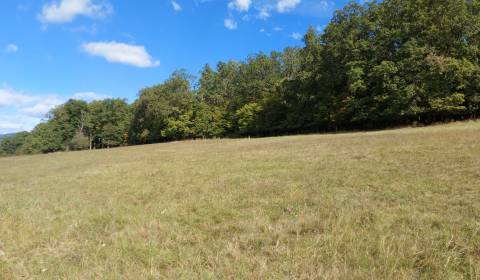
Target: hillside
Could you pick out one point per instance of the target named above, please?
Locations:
(6, 135)
(398, 204)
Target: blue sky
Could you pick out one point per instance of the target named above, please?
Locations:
(53, 50)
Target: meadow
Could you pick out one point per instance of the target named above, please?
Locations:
(393, 204)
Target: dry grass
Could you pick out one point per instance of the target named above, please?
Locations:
(399, 204)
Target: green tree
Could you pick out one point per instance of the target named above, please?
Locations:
(110, 122)
(45, 138)
(11, 145)
(69, 119)
(164, 112)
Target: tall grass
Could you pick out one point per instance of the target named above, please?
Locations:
(399, 204)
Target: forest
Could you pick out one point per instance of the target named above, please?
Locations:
(376, 65)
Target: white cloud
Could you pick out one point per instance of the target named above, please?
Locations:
(92, 29)
(42, 106)
(10, 97)
(20, 111)
(133, 55)
(284, 6)
(277, 29)
(263, 13)
(230, 24)
(9, 124)
(240, 5)
(30, 105)
(89, 96)
(68, 10)
(176, 6)
(11, 48)
(296, 36)
(16, 123)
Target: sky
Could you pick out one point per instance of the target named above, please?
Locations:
(54, 50)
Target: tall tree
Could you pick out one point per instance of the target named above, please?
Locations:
(110, 122)
(164, 112)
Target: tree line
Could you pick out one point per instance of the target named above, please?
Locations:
(375, 65)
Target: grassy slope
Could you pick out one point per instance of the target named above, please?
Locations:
(400, 204)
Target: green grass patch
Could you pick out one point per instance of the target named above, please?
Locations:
(397, 204)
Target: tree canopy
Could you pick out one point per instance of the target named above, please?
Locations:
(380, 64)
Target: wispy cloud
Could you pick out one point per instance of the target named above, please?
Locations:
(323, 8)
(263, 13)
(296, 36)
(176, 6)
(88, 29)
(10, 97)
(67, 10)
(89, 96)
(30, 105)
(134, 55)
(11, 48)
(41, 106)
(17, 122)
(284, 6)
(240, 5)
(230, 24)
(20, 111)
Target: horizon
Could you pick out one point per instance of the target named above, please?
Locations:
(96, 49)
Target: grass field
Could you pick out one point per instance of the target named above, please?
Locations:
(397, 204)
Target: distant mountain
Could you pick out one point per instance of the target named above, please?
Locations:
(6, 135)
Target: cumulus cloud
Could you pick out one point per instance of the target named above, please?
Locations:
(21, 111)
(16, 123)
(284, 6)
(176, 6)
(41, 106)
(240, 5)
(68, 10)
(30, 105)
(11, 48)
(10, 97)
(230, 24)
(133, 55)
